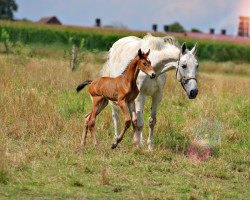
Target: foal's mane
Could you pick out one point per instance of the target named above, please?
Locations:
(127, 66)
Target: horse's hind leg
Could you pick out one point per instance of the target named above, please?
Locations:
(124, 107)
(99, 103)
(85, 131)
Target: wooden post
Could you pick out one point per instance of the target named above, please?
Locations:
(74, 52)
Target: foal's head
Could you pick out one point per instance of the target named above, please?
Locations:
(144, 63)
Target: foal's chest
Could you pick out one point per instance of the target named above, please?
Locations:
(130, 96)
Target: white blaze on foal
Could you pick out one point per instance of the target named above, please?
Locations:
(164, 55)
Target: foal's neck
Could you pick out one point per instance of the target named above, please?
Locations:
(133, 70)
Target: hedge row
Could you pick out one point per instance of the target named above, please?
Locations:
(48, 35)
(102, 39)
(222, 51)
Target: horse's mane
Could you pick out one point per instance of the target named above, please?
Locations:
(163, 48)
(159, 43)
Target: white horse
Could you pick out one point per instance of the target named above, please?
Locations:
(165, 55)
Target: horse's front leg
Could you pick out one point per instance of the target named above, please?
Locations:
(156, 99)
(139, 106)
(124, 107)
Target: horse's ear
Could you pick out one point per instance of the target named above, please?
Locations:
(147, 53)
(140, 54)
(183, 48)
(194, 49)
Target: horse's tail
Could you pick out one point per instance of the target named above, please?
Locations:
(82, 85)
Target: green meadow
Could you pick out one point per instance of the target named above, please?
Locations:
(42, 118)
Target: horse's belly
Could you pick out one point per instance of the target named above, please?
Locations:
(150, 86)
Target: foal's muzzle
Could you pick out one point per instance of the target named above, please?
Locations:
(152, 75)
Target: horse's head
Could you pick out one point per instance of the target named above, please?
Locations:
(144, 63)
(186, 71)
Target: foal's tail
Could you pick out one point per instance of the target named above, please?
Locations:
(82, 85)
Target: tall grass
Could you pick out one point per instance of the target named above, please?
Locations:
(42, 119)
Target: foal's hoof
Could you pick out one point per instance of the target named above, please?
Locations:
(114, 146)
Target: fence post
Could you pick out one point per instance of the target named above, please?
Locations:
(74, 52)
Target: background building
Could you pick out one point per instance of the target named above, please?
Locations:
(243, 29)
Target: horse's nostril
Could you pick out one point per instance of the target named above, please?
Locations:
(193, 93)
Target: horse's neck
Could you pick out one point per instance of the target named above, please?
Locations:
(132, 72)
(160, 58)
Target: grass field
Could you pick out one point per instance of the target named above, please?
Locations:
(41, 122)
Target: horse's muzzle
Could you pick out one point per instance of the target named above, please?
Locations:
(193, 94)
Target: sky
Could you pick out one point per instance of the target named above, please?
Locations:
(140, 14)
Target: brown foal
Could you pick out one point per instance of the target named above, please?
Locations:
(121, 89)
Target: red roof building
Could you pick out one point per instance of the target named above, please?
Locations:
(50, 20)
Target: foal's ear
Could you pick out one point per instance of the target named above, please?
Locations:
(147, 53)
(140, 54)
(183, 48)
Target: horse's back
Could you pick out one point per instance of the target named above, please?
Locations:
(120, 54)
(124, 50)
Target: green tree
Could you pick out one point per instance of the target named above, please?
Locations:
(7, 7)
(176, 27)
(195, 30)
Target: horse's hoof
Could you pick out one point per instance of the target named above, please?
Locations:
(78, 149)
(114, 146)
(150, 148)
(83, 144)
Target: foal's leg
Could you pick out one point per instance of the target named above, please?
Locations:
(99, 103)
(124, 107)
(133, 115)
(139, 105)
(156, 99)
(85, 131)
(115, 119)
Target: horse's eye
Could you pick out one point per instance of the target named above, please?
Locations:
(184, 66)
(144, 64)
(197, 66)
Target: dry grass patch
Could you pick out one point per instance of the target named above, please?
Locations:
(42, 120)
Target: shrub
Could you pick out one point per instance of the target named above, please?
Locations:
(102, 40)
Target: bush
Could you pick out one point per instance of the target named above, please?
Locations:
(5, 39)
(102, 40)
(176, 27)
